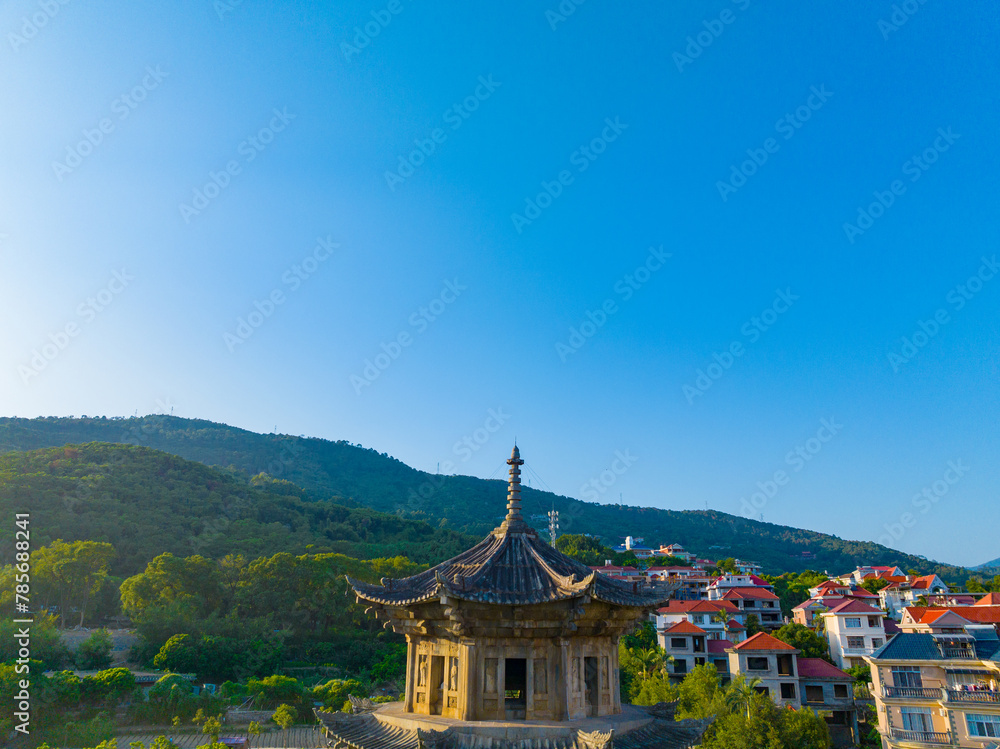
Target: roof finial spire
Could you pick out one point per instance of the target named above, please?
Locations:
(514, 488)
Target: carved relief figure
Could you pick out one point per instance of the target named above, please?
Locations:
(422, 671)
(453, 677)
(541, 676)
(491, 676)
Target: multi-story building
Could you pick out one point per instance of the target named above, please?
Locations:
(721, 584)
(675, 550)
(899, 594)
(761, 603)
(692, 583)
(939, 687)
(796, 682)
(854, 630)
(717, 619)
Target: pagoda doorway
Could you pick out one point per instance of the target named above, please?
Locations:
(592, 685)
(515, 687)
(437, 684)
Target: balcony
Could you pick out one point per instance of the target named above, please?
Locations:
(960, 695)
(912, 693)
(967, 654)
(858, 651)
(921, 737)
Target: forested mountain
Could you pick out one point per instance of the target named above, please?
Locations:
(358, 476)
(146, 502)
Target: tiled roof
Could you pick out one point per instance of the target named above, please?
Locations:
(759, 581)
(719, 646)
(511, 566)
(684, 628)
(734, 625)
(990, 599)
(909, 646)
(980, 614)
(817, 668)
(763, 641)
(752, 593)
(854, 607)
(698, 607)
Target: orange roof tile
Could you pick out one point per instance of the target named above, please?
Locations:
(685, 628)
(980, 614)
(990, 599)
(763, 641)
(754, 593)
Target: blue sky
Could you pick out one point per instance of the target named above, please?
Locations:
(238, 212)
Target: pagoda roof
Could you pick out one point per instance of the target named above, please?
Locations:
(511, 566)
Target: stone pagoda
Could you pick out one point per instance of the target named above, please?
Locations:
(509, 640)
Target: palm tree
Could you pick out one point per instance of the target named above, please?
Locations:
(742, 692)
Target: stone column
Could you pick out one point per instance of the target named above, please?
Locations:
(529, 687)
(411, 673)
(562, 685)
(469, 683)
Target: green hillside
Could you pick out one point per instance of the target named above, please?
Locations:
(360, 476)
(146, 502)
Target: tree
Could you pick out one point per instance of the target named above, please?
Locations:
(94, 653)
(701, 694)
(178, 654)
(212, 727)
(741, 694)
(71, 572)
(753, 625)
(284, 716)
(656, 689)
(334, 693)
(110, 686)
(874, 584)
(801, 637)
(253, 730)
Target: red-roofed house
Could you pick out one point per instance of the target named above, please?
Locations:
(854, 630)
(793, 682)
(990, 599)
(686, 644)
(757, 601)
(709, 615)
(979, 616)
(902, 593)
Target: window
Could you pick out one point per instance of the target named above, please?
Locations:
(699, 661)
(840, 691)
(873, 622)
(852, 622)
(721, 665)
(856, 643)
(876, 642)
(917, 719)
(749, 604)
(698, 618)
(678, 643)
(680, 666)
(788, 691)
(906, 676)
(762, 690)
(758, 664)
(983, 725)
(814, 694)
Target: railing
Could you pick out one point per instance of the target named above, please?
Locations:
(959, 653)
(960, 695)
(913, 693)
(922, 737)
(858, 651)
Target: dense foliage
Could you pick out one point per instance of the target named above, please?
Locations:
(145, 502)
(327, 469)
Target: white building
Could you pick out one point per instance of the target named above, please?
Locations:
(854, 630)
